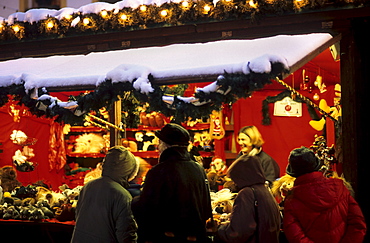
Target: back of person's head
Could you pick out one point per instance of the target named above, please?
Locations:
(120, 165)
(302, 161)
(246, 171)
(254, 135)
(174, 134)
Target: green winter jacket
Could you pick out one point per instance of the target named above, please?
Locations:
(103, 212)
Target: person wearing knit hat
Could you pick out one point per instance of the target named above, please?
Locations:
(103, 212)
(172, 134)
(319, 209)
(174, 204)
(302, 161)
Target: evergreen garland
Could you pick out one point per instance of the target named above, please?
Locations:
(272, 99)
(231, 87)
(176, 14)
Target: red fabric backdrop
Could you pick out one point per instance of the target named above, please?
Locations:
(284, 133)
(49, 161)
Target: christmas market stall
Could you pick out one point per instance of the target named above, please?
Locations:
(60, 113)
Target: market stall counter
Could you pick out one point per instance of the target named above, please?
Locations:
(50, 230)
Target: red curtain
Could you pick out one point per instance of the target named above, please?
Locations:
(284, 133)
(49, 158)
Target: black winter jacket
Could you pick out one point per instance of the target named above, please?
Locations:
(175, 198)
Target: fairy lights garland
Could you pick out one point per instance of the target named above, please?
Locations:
(154, 16)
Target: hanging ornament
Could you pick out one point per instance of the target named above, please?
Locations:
(216, 129)
(14, 112)
(21, 158)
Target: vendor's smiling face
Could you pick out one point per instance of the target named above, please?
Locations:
(245, 143)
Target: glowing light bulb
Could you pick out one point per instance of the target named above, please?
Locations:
(207, 8)
(104, 13)
(124, 17)
(49, 25)
(68, 17)
(16, 28)
(86, 21)
(142, 8)
(185, 4)
(252, 4)
(164, 13)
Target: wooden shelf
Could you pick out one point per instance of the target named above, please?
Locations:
(155, 154)
(90, 155)
(86, 129)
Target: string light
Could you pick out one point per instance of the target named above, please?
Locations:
(185, 5)
(143, 8)
(49, 25)
(68, 17)
(86, 21)
(148, 15)
(124, 17)
(206, 9)
(104, 14)
(164, 13)
(252, 4)
(16, 28)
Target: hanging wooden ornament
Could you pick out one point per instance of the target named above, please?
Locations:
(216, 129)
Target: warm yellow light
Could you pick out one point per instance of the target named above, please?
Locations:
(252, 4)
(207, 8)
(228, 1)
(142, 8)
(104, 13)
(185, 4)
(16, 28)
(124, 17)
(164, 13)
(86, 21)
(50, 25)
(68, 17)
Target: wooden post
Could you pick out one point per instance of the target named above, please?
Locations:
(115, 116)
(355, 73)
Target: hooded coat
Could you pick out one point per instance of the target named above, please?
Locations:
(249, 223)
(103, 212)
(270, 168)
(321, 209)
(175, 198)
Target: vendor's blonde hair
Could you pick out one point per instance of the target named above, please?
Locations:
(254, 135)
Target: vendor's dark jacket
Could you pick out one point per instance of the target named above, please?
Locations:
(321, 209)
(249, 223)
(270, 168)
(175, 198)
(103, 212)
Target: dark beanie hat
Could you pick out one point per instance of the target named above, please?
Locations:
(302, 161)
(174, 134)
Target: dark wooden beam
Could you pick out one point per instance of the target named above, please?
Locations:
(333, 21)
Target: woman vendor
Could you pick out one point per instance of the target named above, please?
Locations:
(251, 141)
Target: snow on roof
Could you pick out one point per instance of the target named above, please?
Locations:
(172, 61)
